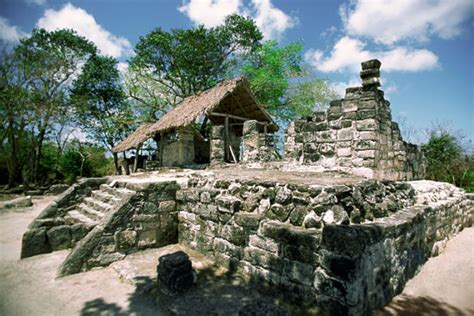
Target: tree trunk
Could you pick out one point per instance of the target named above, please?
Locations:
(118, 170)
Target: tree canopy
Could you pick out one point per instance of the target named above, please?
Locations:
(186, 61)
(100, 103)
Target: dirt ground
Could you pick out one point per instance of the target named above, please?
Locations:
(445, 285)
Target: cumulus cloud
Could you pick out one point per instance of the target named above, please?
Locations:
(348, 53)
(271, 20)
(210, 13)
(10, 33)
(398, 20)
(84, 24)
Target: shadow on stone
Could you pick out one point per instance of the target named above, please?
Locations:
(411, 305)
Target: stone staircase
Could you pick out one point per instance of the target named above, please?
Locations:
(94, 208)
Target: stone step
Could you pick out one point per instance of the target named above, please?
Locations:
(105, 197)
(90, 212)
(117, 192)
(76, 217)
(97, 205)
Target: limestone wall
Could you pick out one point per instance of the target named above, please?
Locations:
(145, 220)
(35, 240)
(344, 249)
(355, 135)
(178, 148)
(257, 146)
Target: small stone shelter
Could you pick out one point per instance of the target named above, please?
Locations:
(214, 126)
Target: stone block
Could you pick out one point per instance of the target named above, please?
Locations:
(344, 152)
(287, 233)
(34, 242)
(345, 134)
(349, 106)
(366, 114)
(263, 243)
(175, 273)
(78, 231)
(125, 240)
(228, 203)
(368, 136)
(226, 247)
(167, 206)
(262, 258)
(297, 215)
(365, 144)
(251, 220)
(366, 154)
(298, 272)
(60, 237)
(146, 238)
(235, 234)
(367, 125)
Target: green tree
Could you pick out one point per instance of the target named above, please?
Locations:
(49, 60)
(282, 83)
(101, 106)
(14, 112)
(445, 160)
(184, 62)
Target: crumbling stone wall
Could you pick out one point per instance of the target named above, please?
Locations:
(355, 135)
(306, 241)
(178, 148)
(37, 239)
(145, 220)
(257, 146)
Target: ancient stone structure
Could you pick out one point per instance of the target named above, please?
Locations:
(345, 249)
(258, 145)
(342, 247)
(355, 135)
(175, 273)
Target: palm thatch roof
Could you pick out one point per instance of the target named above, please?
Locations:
(230, 97)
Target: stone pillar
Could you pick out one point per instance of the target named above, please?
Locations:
(178, 148)
(250, 140)
(217, 144)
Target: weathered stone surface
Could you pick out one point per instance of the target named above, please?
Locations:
(17, 203)
(60, 237)
(312, 220)
(175, 273)
(34, 242)
(263, 308)
(57, 189)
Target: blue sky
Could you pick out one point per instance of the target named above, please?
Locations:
(426, 46)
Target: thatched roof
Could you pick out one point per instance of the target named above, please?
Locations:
(229, 97)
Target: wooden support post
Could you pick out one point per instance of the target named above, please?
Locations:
(265, 128)
(226, 139)
(162, 140)
(137, 155)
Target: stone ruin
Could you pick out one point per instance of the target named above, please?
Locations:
(332, 243)
(355, 135)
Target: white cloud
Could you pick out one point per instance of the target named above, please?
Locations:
(348, 53)
(390, 22)
(340, 86)
(122, 67)
(84, 24)
(210, 12)
(9, 32)
(271, 20)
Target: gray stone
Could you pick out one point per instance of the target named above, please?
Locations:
(34, 242)
(60, 237)
(312, 220)
(125, 240)
(262, 308)
(17, 203)
(175, 273)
